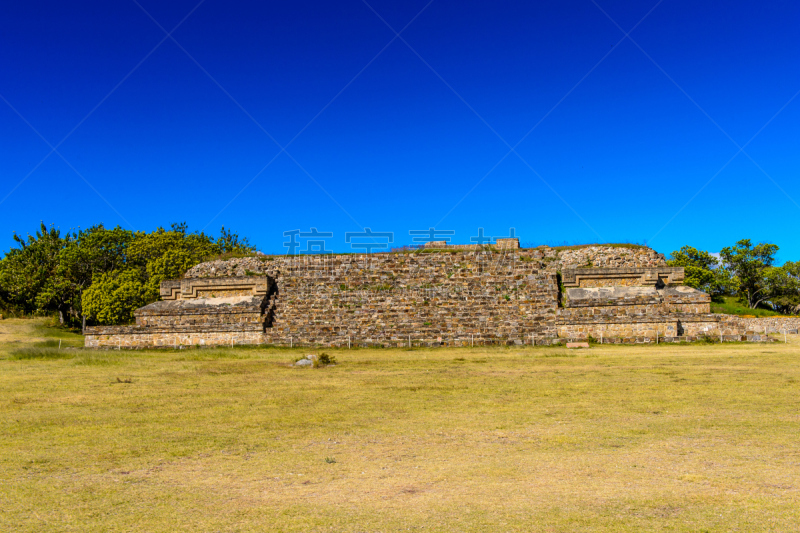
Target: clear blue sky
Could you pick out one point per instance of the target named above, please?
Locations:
(623, 136)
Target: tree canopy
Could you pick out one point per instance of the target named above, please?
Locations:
(702, 271)
(750, 265)
(746, 270)
(102, 274)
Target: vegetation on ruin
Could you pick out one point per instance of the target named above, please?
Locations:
(565, 246)
(613, 438)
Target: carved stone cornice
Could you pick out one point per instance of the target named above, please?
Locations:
(572, 277)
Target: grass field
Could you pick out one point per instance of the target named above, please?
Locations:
(730, 305)
(614, 438)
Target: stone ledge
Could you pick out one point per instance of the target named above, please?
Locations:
(571, 277)
(189, 328)
(202, 306)
(682, 294)
(648, 319)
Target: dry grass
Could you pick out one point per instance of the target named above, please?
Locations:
(672, 438)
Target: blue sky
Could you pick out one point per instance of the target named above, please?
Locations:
(615, 138)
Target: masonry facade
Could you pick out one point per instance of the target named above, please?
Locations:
(440, 296)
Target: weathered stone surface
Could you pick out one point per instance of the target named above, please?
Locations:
(464, 298)
(632, 301)
(511, 243)
(601, 257)
(608, 296)
(552, 259)
(228, 310)
(772, 324)
(457, 297)
(173, 336)
(689, 326)
(427, 298)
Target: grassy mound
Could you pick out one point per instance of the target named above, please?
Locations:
(731, 305)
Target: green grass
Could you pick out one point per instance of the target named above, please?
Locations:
(613, 438)
(49, 350)
(49, 329)
(731, 305)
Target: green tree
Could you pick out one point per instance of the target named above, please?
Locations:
(163, 255)
(112, 298)
(783, 285)
(88, 254)
(702, 271)
(29, 274)
(146, 247)
(749, 265)
(102, 273)
(230, 243)
(48, 271)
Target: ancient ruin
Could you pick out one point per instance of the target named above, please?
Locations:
(441, 295)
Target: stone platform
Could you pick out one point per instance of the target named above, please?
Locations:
(451, 297)
(206, 312)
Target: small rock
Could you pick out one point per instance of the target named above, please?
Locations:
(304, 362)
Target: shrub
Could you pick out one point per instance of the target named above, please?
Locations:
(324, 359)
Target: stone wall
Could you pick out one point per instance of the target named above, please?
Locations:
(674, 328)
(611, 311)
(173, 337)
(699, 308)
(393, 299)
(624, 330)
(454, 297)
(610, 293)
(611, 297)
(450, 298)
(773, 324)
